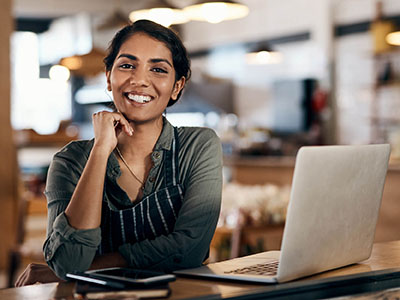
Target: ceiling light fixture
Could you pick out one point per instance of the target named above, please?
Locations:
(263, 55)
(393, 38)
(86, 65)
(59, 73)
(161, 12)
(216, 11)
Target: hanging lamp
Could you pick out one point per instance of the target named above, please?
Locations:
(216, 11)
(263, 54)
(393, 38)
(161, 12)
(87, 65)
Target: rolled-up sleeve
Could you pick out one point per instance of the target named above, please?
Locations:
(188, 245)
(66, 249)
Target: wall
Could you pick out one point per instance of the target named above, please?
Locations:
(309, 58)
(8, 170)
(343, 65)
(271, 18)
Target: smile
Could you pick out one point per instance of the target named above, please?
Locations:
(139, 98)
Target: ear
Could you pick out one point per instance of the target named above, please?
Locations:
(108, 74)
(178, 87)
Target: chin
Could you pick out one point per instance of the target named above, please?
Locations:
(142, 119)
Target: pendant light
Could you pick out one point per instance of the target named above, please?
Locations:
(161, 12)
(262, 55)
(87, 65)
(393, 38)
(216, 11)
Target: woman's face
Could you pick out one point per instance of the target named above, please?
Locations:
(142, 79)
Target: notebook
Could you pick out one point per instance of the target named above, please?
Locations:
(331, 219)
(89, 291)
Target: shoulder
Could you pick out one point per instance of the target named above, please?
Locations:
(196, 136)
(199, 145)
(75, 150)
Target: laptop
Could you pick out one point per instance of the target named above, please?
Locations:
(332, 214)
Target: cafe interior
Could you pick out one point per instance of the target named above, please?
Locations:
(267, 76)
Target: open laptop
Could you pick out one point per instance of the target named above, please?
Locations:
(331, 219)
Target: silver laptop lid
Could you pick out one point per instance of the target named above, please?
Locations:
(333, 210)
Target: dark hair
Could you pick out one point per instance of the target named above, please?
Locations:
(171, 40)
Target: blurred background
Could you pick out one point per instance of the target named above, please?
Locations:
(268, 76)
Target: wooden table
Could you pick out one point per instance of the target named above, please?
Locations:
(384, 256)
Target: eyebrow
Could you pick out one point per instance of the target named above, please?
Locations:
(153, 60)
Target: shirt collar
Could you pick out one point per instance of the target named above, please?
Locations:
(167, 134)
(164, 142)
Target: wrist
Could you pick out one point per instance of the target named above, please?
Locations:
(102, 149)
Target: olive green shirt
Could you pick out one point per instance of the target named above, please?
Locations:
(200, 171)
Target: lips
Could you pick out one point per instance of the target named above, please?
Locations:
(138, 98)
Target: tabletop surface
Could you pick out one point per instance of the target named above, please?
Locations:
(384, 256)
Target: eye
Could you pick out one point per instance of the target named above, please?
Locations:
(159, 70)
(126, 66)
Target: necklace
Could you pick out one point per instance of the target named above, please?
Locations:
(129, 168)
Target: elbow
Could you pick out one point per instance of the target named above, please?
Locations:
(69, 259)
(192, 256)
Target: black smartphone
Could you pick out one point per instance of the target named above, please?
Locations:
(122, 277)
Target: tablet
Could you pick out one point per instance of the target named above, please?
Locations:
(122, 277)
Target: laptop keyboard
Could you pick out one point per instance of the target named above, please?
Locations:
(269, 269)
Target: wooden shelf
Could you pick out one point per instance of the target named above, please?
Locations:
(29, 138)
(388, 84)
(385, 121)
(260, 161)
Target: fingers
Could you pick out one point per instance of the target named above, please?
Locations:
(116, 119)
(26, 277)
(124, 125)
(21, 279)
(36, 273)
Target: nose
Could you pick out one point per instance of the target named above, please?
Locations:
(139, 77)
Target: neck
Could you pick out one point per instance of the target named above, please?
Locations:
(143, 140)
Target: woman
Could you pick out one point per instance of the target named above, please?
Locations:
(143, 193)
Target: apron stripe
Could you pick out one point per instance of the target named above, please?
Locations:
(121, 218)
(110, 239)
(161, 214)
(141, 211)
(150, 222)
(134, 224)
(180, 191)
(173, 164)
(170, 203)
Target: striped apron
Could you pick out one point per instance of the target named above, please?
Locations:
(153, 216)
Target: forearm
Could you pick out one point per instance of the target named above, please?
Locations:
(84, 209)
(108, 260)
(187, 246)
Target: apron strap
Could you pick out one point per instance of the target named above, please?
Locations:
(172, 162)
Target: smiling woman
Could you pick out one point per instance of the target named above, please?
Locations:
(142, 78)
(142, 193)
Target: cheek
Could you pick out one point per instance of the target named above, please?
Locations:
(115, 81)
(167, 87)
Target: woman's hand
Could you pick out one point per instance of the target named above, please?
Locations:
(36, 273)
(107, 126)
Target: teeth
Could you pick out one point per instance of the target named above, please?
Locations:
(139, 98)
